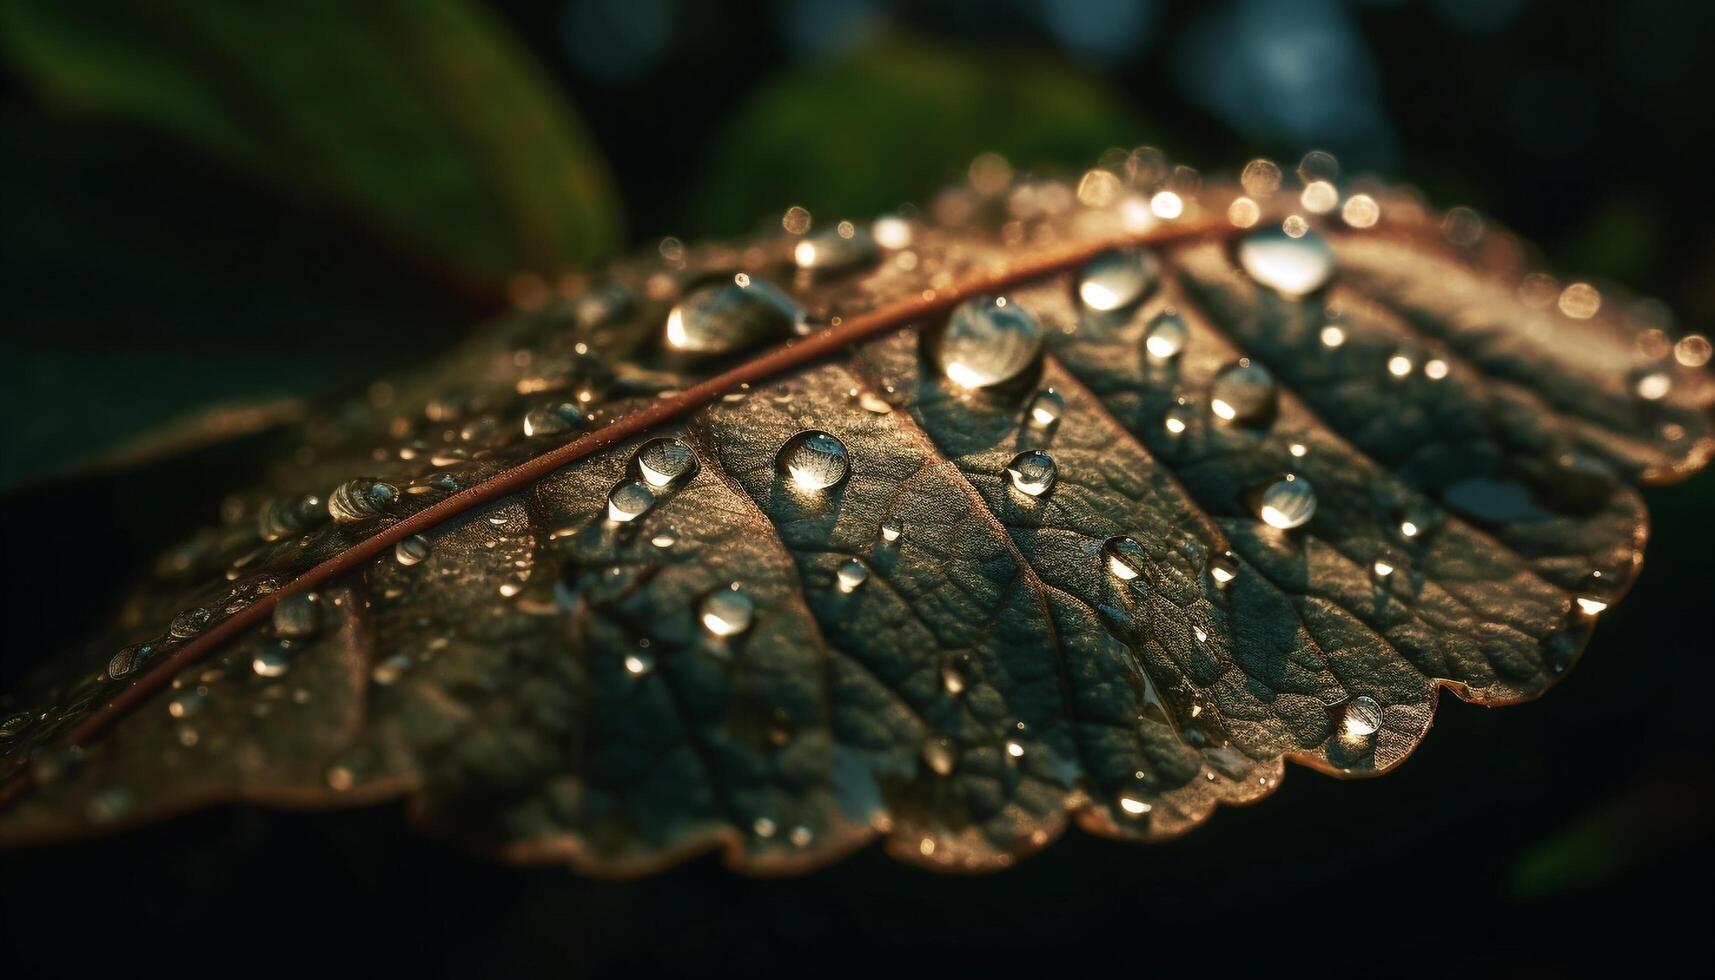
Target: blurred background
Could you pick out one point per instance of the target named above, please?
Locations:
(255, 204)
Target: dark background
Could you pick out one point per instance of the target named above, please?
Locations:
(1526, 841)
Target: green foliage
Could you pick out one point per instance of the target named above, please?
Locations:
(859, 136)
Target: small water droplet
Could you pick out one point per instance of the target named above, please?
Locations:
(851, 575)
(727, 612)
(891, 530)
(1032, 472)
(1045, 409)
(730, 316)
(1291, 266)
(409, 551)
(801, 836)
(814, 460)
(1400, 365)
(1592, 595)
(1333, 336)
(552, 419)
(665, 464)
(361, 499)
(666, 538)
(389, 671)
(987, 341)
(1653, 385)
(1125, 557)
(1167, 335)
(639, 663)
(126, 661)
(189, 623)
(1223, 568)
(1015, 749)
(1133, 806)
(1117, 279)
(1287, 503)
(764, 827)
(836, 249)
(1177, 418)
(186, 704)
(629, 500)
(271, 661)
(1361, 717)
(1243, 393)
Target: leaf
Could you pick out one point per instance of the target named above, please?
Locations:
(862, 134)
(423, 118)
(615, 651)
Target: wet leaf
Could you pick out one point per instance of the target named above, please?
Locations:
(1018, 527)
(425, 119)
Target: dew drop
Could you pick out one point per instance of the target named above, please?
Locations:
(552, 418)
(1166, 336)
(361, 499)
(186, 705)
(814, 460)
(1592, 595)
(409, 551)
(665, 464)
(726, 612)
(1333, 336)
(629, 500)
(851, 575)
(1653, 386)
(1045, 409)
(1125, 557)
(1287, 503)
(283, 518)
(891, 530)
(1243, 393)
(1223, 568)
(728, 317)
(835, 250)
(639, 663)
(126, 661)
(189, 623)
(1117, 279)
(1133, 806)
(1361, 717)
(1693, 350)
(1032, 472)
(987, 341)
(940, 755)
(1290, 266)
(1177, 418)
(665, 539)
(764, 827)
(270, 661)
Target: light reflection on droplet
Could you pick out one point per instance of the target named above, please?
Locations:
(1287, 503)
(1319, 197)
(1166, 336)
(1032, 472)
(987, 341)
(1166, 205)
(1580, 301)
(814, 460)
(1362, 717)
(1693, 350)
(1291, 265)
(727, 612)
(1361, 211)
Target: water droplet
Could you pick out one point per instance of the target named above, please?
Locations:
(127, 660)
(1133, 806)
(891, 530)
(1177, 418)
(189, 623)
(665, 464)
(270, 661)
(1333, 336)
(1653, 386)
(283, 518)
(1383, 569)
(298, 615)
(1125, 557)
(666, 538)
(987, 341)
(1015, 749)
(727, 612)
(1592, 595)
(814, 460)
(1290, 266)
(629, 500)
(940, 755)
(639, 663)
(1287, 503)
(185, 705)
(836, 249)
(1166, 336)
(1223, 568)
(16, 724)
(801, 836)
(1243, 393)
(389, 671)
(1032, 472)
(1435, 369)
(1045, 409)
(730, 316)
(1693, 350)
(764, 827)
(411, 550)
(553, 418)
(1361, 717)
(851, 575)
(1115, 280)
(361, 499)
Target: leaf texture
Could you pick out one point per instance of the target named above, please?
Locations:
(1263, 510)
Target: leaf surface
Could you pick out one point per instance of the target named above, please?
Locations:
(1295, 493)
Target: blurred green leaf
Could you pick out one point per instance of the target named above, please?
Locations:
(424, 118)
(865, 134)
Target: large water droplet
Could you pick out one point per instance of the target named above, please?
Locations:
(361, 499)
(987, 341)
(1125, 557)
(851, 575)
(1032, 472)
(665, 464)
(552, 418)
(1115, 280)
(730, 316)
(1287, 503)
(271, 661)
(726, 612)
(411, 550)
(1361, 717)
(1166, 336)
(836, 249)
(298, 615)
(629, 500)
(1243, 393)
(814, 460)
(1290, 266)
